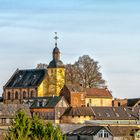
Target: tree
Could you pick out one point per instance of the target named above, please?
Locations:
(84, 72)
(20, 127)
(23, 128)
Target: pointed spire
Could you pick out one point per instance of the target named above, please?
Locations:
(56, 38)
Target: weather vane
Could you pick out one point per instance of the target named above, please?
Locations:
(56, 38)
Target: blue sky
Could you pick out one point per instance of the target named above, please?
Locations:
(107, 30)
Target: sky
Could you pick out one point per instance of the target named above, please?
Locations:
(106, 30)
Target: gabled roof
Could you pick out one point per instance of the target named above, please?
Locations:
(79, 111)
(9, 110)
(132, 102)
(98, 92)
(49, 102)
(122, 130)
(114, 113)
(26, 78)
(87, 130)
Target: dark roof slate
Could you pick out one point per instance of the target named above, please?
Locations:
(87, 130)
(50, 101)
(9, 110)
(56, 64)
(26, 78)
(132, 102)
(114, 113)
(79, 111)
(122, 130)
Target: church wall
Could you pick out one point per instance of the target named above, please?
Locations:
(43, 88)
(16, 94)
(56, 80)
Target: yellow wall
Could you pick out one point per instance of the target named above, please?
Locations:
(56, 80)
(52, 83)
(75, 119)
(43, 87)
(98, 101)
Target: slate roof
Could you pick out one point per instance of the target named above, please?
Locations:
(132, 102)
(9, 110)
(50, 101)
(56, 50)
(103, 113)
(26, 78)
(87, 130)
(98, 92)
(56, 64)
(79, 111)
(114, 113)
(122, 130)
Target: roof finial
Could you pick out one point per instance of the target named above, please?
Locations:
(56, 38)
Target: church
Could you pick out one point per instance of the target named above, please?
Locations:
(31, 83)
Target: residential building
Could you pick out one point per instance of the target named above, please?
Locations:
(98, 97)
(48, 108)
(90, 133)
(77, 115)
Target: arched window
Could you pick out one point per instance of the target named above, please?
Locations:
(24, 94)
(8, 95)
(16, 95)
(32, 93)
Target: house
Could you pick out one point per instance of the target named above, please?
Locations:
(114, 116)
(101, 116)
(74, 95)
(36, 82)
(8, 111)
(90, 133)
(137, 134)
(98, 97)
(48, 108)
(119, 102)
(77, 115)
(125, 132)
(132, 102)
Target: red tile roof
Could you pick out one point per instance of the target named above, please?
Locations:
(98, 92)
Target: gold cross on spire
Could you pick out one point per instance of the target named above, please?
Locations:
(56, 38)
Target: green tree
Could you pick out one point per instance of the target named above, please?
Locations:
(23, 128)
(20, 127)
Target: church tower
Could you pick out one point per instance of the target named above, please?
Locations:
(56, 71)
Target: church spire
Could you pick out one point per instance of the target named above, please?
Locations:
(56, 52)
(56, 38)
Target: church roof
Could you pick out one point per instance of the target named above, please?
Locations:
(56, 50)
(26, 78)
(56, 64)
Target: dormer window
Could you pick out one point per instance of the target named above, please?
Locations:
(117, 115)
(107, 114)
(20, 77)
(40, 104)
